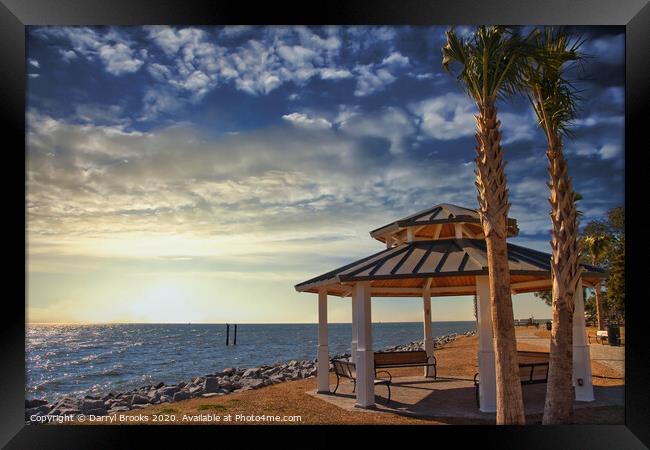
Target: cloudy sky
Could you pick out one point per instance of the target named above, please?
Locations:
(195, 174)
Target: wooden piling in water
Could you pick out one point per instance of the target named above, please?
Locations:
(234, 342)
(227, 334)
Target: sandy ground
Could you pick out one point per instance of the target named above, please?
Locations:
(457, 360)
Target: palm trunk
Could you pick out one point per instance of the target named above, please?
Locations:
(600, 307)
(493, 211)
(565, 272)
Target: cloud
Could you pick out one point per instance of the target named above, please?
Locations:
(33, 75)
(67, 55)
(371, 79)
(392, 124)
(171, 40)
(396, 58)
(334, 74)
(258, 66)
(235, 30)
(118, 59)
(608, 49)
(445, 117)
(33, 63)
(111, 47)
(158, 101)
(96, 188)
(608, 150)
(99, 114)
(304, 120)
(517, 126)
(261, 64)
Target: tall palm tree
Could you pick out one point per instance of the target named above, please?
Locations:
(554, 100)
(491, 62)
(597, 242)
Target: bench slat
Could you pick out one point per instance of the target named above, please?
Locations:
(383, 359)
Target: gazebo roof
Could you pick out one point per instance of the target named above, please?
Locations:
(438, 222)
(445, 266)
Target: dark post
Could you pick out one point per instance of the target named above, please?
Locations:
(234, 342)
(227, 334)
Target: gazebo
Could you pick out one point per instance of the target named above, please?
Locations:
(439, 252)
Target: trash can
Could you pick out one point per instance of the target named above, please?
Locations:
(614, 335)
(549, 326)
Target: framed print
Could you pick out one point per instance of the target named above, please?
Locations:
(350, 219)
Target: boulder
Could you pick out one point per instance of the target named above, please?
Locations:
(254, 383)
(67, 405)
(210, 394)
(141, 406)
(210, 384)
(91, 406)
(165, 398)
(195, 390)
(228, 371)
(138, 399)
(40, 410)
(118, 409)
(252, 373)
(169, 390)
(34, 403)
(159, 385)
(278, 378)
(181, 395)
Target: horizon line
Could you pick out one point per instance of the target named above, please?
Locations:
(232, 323)
(223, 323)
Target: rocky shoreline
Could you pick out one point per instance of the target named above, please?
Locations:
(221, 383)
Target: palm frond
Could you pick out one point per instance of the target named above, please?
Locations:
(552, 95)
(491, 61)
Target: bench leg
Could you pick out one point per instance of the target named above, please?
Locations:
(337, 384)
(354, 387)
(388, 386)
(478, 398)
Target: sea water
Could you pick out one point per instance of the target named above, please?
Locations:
(96, 359)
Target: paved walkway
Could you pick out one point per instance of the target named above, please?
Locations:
(452, 398)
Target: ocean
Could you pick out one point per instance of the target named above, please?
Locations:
(82, 360)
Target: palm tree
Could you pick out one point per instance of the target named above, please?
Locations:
(597, 241)
(554, 100)
(491, 63)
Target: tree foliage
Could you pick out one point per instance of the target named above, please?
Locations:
(604, 246)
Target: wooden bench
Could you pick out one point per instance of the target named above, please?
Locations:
(533, 369)
(414, 358)
(600, 337)
(347, 369)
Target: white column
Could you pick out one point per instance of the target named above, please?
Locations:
(487, 370)
(581, 359)
(365, 363)
(428, 335)
(353, 345)
(323, 349)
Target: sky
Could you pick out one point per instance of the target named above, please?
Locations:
(196, 174)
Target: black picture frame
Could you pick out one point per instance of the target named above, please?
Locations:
(16, 14)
